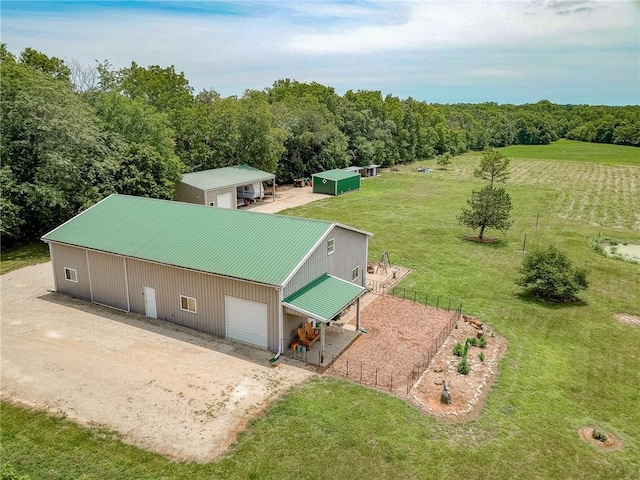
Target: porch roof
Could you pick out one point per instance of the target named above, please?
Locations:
(324, 297)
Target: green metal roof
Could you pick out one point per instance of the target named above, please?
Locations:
(337, 174)
(224, 177)
(324, 298)
(260, 247)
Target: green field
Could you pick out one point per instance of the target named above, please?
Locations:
(567, 366)
(573, 151)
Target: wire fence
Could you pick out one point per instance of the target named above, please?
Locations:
(379, 377)
(396, 382)
(437, 301)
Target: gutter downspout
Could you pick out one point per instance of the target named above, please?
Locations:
(280, 319)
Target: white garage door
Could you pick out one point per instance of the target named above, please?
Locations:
(246, 321)
(224, 200)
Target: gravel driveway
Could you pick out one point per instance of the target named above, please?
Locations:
(168, 389)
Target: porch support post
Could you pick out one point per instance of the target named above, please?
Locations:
(358, 314)
(322, 334)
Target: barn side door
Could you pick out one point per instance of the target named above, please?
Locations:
(150, 302)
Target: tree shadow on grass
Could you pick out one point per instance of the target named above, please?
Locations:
(486, 242)
(528, 297)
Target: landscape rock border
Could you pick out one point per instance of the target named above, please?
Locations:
(469, 392)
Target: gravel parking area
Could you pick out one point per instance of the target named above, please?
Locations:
(287, 196)
(168, 389)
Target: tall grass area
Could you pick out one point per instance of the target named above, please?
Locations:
(566, 366)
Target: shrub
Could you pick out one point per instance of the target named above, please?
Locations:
(599, 435)
(481, 356)
(7, 472)
(473, 341)
(458, 349)
(482, 343)
(444, 160)
(463, 367)
(466, 348)
(549, 274)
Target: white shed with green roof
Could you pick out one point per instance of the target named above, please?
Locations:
(225, 187)
(197, 267)
(336, 182)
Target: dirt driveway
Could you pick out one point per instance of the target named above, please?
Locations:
(287, 197)
(171, 390)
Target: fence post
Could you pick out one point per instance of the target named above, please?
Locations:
(404, 294)
(408, 380)
(414, 296)
(347, 368)
(360, 373)
(376, 377)
(437, 301)
(391, 386)
(425, 299)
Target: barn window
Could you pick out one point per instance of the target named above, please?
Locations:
(71, 274)
(355, 273)
(188, 304)
(331, 246)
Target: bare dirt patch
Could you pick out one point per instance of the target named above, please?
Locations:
(287, 196)
(628, 319)
(611, 443)
(624, 252)
(162, 387)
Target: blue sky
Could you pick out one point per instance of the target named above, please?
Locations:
(565, 51)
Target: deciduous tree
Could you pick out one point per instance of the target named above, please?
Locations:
(548, 273)
(53, 151)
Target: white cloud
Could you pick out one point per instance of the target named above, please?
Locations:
(438, 24)
(402, 48)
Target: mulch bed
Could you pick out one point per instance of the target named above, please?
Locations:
(400, 335)
(391, 357)
(610, 444)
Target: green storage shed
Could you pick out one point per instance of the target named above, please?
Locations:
(336, 182)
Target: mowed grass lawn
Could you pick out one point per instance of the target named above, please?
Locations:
(567, 366)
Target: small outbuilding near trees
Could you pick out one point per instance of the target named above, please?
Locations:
(366, 171)
(336, 182)
(223, 187)
(197, 266)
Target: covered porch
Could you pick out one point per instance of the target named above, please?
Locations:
(319, 304)
(335, 343)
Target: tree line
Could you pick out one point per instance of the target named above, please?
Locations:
(72, 134)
